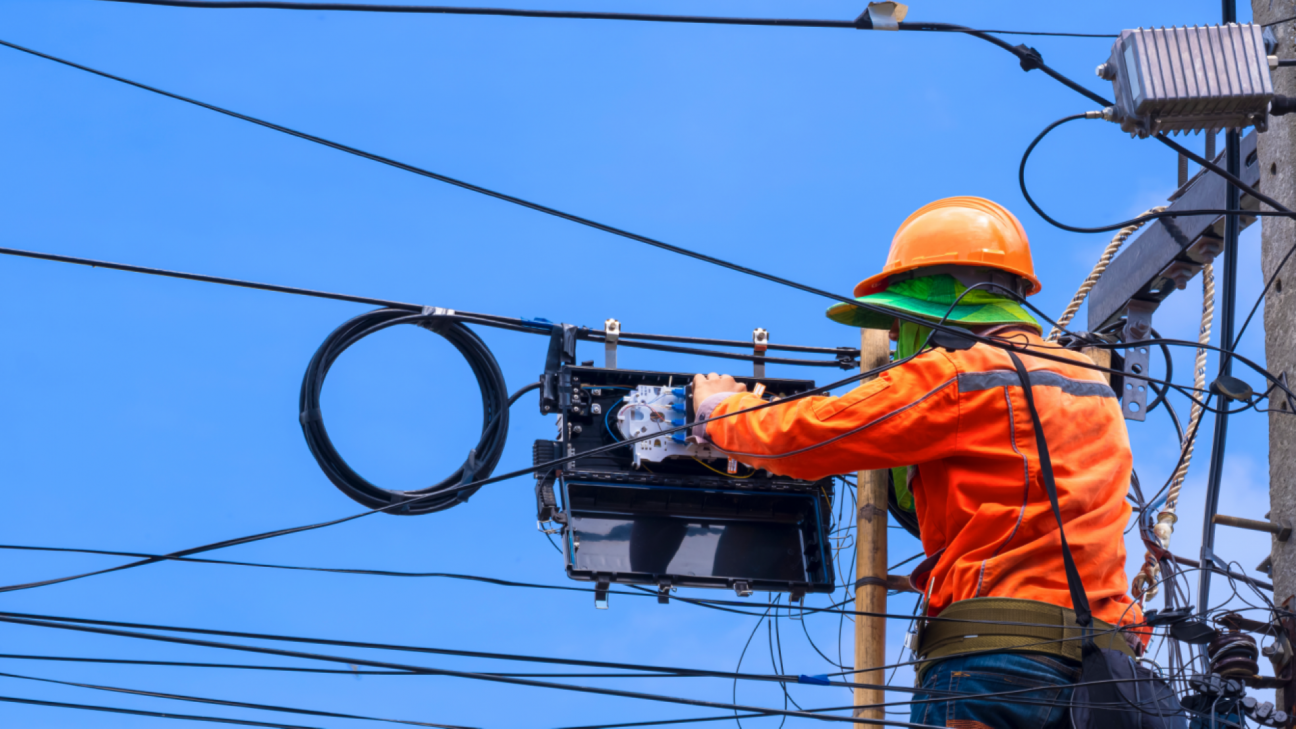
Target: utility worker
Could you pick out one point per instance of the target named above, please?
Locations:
(955, 425)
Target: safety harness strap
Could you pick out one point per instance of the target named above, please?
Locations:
(1079, 600)
(1107, 706)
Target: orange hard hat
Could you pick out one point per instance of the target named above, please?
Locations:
(967, 231)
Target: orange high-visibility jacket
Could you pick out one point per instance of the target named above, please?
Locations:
(961, 418)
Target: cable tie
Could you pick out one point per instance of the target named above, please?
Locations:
(816, 680)
(470, 468)
(437, 324)
(310, 416)
(1030, 58)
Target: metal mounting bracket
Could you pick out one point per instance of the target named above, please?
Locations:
(760, 343)
(611, 335)
(1138, 325)
(555, 384)
(663, 592)
(1287, 404)
(601, 595)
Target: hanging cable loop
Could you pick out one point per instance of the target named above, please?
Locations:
(480, 461)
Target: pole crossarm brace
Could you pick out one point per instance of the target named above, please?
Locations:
(1170, 252)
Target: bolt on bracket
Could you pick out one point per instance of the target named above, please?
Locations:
(760, 343)
(1138, 326)
(611, 335)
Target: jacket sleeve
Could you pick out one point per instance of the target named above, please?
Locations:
(906, 416)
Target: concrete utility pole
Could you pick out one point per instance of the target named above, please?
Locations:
(871, 556)
(1277, 152)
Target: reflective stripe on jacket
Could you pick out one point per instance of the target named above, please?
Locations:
(961, 418)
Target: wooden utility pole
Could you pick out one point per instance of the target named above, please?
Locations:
(1276, 149)
(871, 555)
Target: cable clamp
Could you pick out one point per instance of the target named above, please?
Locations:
(884, 16)
(435, 325)
(1029, 58)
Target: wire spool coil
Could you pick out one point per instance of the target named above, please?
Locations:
(481, 460)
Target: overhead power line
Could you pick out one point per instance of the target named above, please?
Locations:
(811, 714)
(154, 714)
(496, 321)
(861, 23)
(580, 220)
(223, 702)
(304, 669)
(454, 674)
(1030, 60)
(490, 320)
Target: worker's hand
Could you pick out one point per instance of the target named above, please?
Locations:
(704, 386)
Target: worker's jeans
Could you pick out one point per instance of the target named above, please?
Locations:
(988, 673)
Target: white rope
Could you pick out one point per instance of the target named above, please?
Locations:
(1108, 254)
(1144, 586)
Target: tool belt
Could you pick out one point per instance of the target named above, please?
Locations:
(1048, 629)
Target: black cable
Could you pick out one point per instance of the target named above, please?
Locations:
(663, 722)
(738, 668)
(906, 561)
(302, 669)
(222, 702)
(85, 627)
(1279, 210)
(154, 714)
(815, 646)
(943, 695)
(846, 357)
(59, 621)
(1169, 376)
(1029, 59)
(481, 460)
(450, 673)
(736, 343)
(560, 14)
(1260, 299)
(936, 327)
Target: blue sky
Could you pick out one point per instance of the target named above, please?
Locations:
(151, 415)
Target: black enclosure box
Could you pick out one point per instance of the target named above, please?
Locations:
(661, 516)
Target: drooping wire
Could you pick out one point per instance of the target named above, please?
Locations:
(1279, 210)
(861, 23)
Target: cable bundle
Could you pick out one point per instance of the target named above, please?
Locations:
(481, 459)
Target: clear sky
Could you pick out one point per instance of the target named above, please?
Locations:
(150, 415)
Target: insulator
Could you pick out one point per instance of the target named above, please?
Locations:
(1234, 655)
